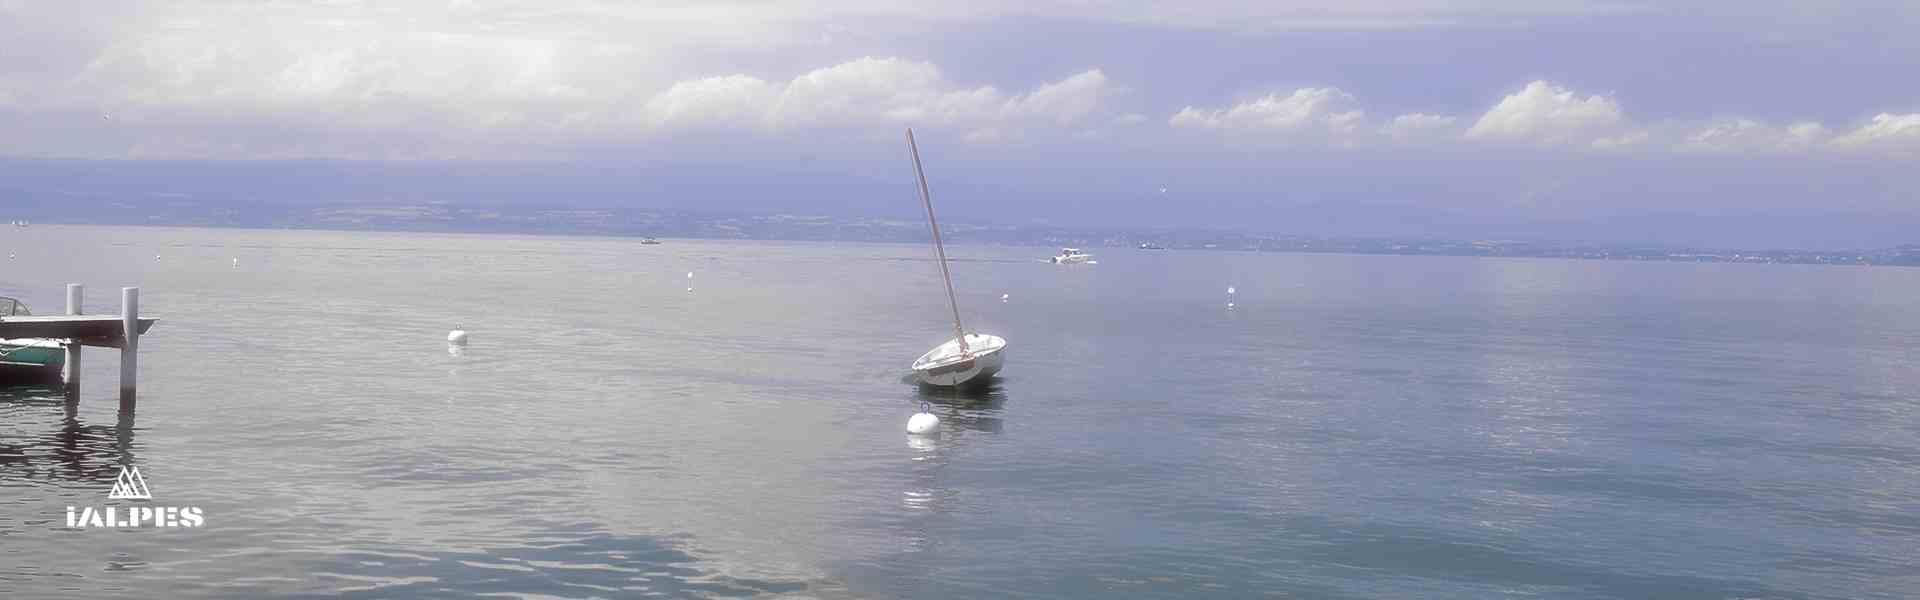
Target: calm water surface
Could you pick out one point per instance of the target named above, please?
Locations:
(1359, 427)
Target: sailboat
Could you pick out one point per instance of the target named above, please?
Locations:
(968, 357)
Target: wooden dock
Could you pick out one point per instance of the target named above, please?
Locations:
(102, 331)
(76, 331)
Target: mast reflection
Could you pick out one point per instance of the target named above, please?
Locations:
(965, 414)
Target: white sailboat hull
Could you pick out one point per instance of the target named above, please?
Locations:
(947, 366)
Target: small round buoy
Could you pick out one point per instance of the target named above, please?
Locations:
(156, 257)
(923, 422)
(1003, 297)
(457, 337)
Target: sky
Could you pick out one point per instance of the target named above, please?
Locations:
(1756, 122)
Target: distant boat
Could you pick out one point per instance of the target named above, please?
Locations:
(1071, 256)
(649, 241)
(1151, 246)
(28, 359)
(967, 357)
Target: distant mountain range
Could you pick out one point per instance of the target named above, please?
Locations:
(180, 210)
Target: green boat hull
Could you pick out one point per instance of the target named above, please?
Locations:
(30, 363)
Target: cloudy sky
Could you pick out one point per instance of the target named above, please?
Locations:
(1603, 119)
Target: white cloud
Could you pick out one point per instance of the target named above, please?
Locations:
(1539, 114)
(1415, 127)
(404, 71)
(466, 75)
(1064, 101)
(891, 88)
(1309, 14)
(712, 101)
(1805, 134)
(1543, 113)
(1750, 136)
(877, 91)
(347, 78)
(1898, 134)
(1624, 140)
(1313, 111)
(232, 79)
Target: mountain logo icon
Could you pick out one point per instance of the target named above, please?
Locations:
(130, 486)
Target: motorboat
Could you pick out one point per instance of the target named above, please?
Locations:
(1071, 256)
(28, 359)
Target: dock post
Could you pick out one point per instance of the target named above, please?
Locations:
(130, 351)
(71, 374)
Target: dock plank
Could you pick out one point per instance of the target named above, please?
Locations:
(90, 330)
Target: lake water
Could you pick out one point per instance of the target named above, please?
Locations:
(1357, 427)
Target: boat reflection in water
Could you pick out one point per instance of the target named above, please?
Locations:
(969, 408)
(965, 414)
(975, 407)
(73, 454)
(930, 502)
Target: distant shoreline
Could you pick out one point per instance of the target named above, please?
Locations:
(821, 229)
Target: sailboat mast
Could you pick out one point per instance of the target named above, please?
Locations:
(939, 250)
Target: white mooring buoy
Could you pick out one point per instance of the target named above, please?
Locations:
(457, 337)
(1003, 297)
(923, 422)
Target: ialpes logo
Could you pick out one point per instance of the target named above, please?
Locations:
(131, 486)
